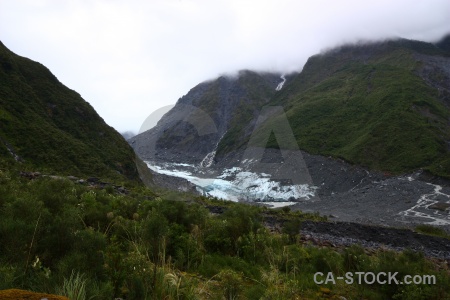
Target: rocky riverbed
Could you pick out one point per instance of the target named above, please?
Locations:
(373, 209)
(403, 201)
(331, 187)
(375, 237)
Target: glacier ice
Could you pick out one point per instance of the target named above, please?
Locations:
(236, 184)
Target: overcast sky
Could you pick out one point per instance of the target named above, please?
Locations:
(129, 58)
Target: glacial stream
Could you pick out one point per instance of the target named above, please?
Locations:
(422, 208)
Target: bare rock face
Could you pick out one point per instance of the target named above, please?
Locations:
(194, 127)
(435, 71)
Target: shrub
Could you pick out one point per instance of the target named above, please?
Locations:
(432, 230)
(231, 283)
(292, 228)
(354, 258)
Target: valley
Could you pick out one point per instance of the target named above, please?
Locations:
(249, 186)
(360, 134)
(338, 190)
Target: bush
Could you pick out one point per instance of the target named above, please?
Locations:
(136, 248)
(231, 283)
(432, 230)
(355, 259)
(292, 228)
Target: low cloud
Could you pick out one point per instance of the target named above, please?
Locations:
(130, 58)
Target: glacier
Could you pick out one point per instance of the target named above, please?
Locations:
(236, 184)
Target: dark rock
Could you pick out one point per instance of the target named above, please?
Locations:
(92, 179)
(440, 206)
(30, 175)
(216, 209)
(122, 190)
(346, 234)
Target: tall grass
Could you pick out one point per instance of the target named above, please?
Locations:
(74, 287)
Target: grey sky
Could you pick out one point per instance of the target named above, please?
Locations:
(129, 58)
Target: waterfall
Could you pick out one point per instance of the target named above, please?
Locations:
(209, 158)
(280, 85)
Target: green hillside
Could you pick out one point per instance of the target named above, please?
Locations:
(260, 93)
(52, 129)
(370, 105)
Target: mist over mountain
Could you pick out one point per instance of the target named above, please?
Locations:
(361, 123)
(444, 43)
(127, 134)
(382, 105)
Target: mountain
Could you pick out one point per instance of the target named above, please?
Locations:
(382, 105)
(68, 238)
(48, 127)
(210, 111)
(444, 43)
(128, 134)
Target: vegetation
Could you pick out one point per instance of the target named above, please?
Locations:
(432, 230)
(365, 104)
(51, 128)
(60, 237)
(74, 287)
(377, 113)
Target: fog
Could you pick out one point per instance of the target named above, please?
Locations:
(131, 58)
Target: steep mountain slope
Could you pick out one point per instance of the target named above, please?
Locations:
(373, 121)
(192, 129)
(444, 43)
(50, 128)
(382, 105)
